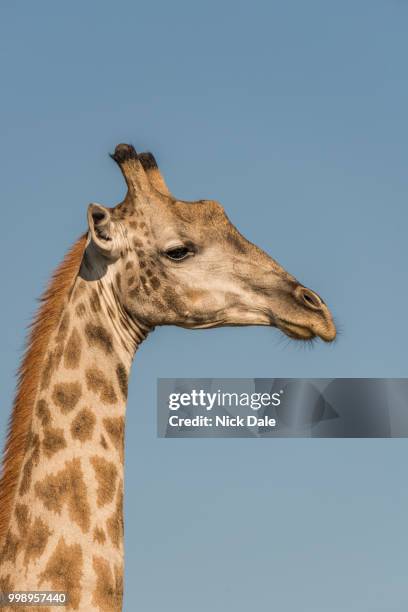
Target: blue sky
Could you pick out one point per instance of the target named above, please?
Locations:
(294, 115)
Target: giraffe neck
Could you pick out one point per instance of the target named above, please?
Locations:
(66, 522)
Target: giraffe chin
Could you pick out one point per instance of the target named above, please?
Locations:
(295, 331)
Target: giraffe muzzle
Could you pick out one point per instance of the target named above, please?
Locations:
(310, 319)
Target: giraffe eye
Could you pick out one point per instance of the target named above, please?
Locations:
(178, 253)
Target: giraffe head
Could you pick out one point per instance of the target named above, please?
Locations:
(171, 262)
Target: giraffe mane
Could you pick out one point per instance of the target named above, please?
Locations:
(40, 330)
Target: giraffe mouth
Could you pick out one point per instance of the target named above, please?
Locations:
(295, 331)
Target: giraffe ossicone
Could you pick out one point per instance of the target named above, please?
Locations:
(151, 260)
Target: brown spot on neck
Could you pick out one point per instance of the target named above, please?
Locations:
(33, 451)
(43, 412)
(114, 524)
(66, 487)
(72, 353)
(22, 518)
(83, 425)
(10, 548)
(106, 475)
(108, 592)
(97, 382)
(53, 441)
(63, 571)
(97, 336)
(66, 395)
(80, 310)
(115, 428)
(122, 377)
(36, 541)
(95, 301)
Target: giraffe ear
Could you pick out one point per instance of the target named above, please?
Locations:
(102, 230)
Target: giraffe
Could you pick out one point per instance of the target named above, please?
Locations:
(151, 260)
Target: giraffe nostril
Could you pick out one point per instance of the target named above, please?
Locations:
(308, 298)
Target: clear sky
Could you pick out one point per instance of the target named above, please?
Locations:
(294, 115)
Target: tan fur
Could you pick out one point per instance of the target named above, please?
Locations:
(45, 322)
